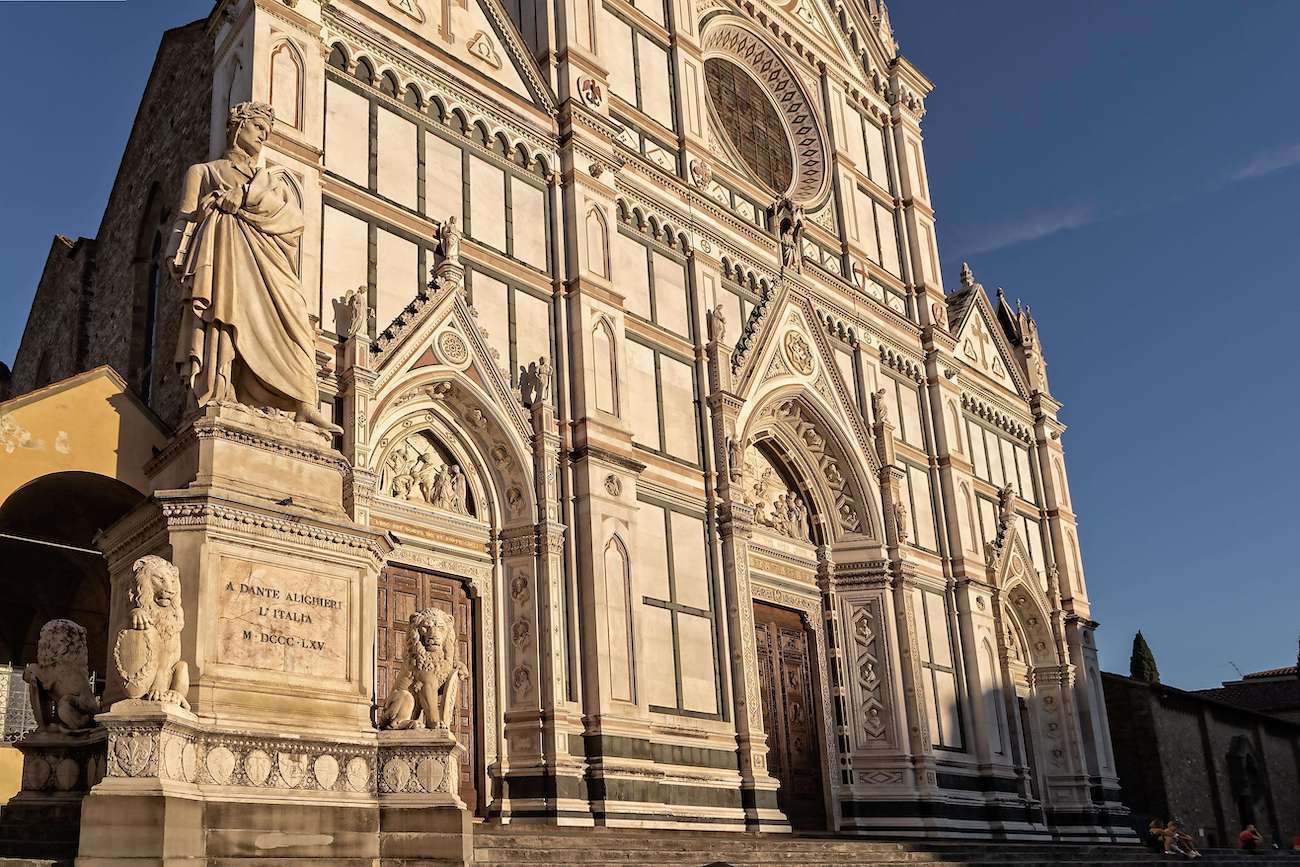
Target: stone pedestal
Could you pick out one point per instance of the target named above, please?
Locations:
(178, 787)
(43, 819)
(278, 584)
(278, 588)
(422, 818)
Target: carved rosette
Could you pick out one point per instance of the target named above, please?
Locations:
(799, 353)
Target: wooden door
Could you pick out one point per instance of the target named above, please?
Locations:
(790, 714)
(401, 592)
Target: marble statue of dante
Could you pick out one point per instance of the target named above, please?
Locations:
(246, 336)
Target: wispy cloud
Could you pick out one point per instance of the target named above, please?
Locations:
(1066, 218)
(1032, 227)
(1266, 163)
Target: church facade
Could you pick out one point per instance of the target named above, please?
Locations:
(632, 316)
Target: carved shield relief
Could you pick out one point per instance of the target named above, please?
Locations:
(136, 659)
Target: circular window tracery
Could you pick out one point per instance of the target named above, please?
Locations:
(751, 123)
(751, 88)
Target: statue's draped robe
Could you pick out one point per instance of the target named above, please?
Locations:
(246, 335)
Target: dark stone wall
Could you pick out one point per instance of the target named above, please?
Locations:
(90, 306)
(1183, 756)
(53, 344)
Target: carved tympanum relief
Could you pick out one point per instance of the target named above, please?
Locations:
(790, 414)
(420, 470)
(775, 504)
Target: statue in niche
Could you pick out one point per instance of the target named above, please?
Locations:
(425, 691)
(416, 471)
(788, 219)
(449, 235)
(148, 650)
(246, 336)
(59, 681)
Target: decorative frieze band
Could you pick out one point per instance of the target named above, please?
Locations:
(163, 749)
(996, 417)
(216, 515)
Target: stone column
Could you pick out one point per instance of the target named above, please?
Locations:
(735, 526)
(544, 778)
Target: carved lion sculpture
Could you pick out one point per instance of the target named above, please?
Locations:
(424, 694)
(148, 650)
(61, 695)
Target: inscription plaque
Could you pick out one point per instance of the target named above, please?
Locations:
(282, 620)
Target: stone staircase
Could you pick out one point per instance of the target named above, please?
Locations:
(532, 846)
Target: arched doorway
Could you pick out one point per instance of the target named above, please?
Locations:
(787, 679)
(51, 566)
(452, 476)
(803, 480)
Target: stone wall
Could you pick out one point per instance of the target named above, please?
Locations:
(90, 306)
(1173, 750)
(53, 341)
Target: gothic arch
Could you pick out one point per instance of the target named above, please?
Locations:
(819, 451)
(597, 242)
(502, 460)
(286, 83)
(619, 606)
(604, 345)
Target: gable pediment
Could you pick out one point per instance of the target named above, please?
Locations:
(441, 330)
(787, 346)
(983, 345)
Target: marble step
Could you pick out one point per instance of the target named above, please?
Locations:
(1150, 859)
(604, 847)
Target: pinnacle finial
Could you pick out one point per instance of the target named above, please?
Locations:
(967, 278)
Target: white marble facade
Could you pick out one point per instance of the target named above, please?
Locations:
(712, 220)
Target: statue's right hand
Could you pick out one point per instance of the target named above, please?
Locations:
(140, 619)
(228, 201)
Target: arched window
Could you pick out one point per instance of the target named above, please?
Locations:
(286, 85)
(605, 362)
(618, 602)
(147, 297)
(338, 58)
(364, 71)
(388, 84)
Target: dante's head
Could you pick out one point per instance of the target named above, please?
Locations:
(249, 126)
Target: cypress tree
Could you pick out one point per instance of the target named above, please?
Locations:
(1142, 664)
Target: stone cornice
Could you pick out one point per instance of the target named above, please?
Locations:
(180, 514)
(999, 417)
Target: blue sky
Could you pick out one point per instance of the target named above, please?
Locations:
(1131, 170)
